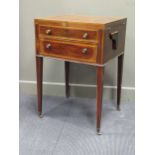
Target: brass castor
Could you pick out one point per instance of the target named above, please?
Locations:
(40, 114)
(99, 132)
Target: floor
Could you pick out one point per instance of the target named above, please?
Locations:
(68, 127)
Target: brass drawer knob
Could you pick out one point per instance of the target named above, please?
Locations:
(85, 35)
(48, 32)
(48, 46)
(84, 51)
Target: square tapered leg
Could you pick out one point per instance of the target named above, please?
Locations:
(67, 89)
(119, 79)
(99, 91)
(39, 69)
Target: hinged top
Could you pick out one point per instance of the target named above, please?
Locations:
(84, 19)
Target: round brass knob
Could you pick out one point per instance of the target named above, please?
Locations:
(85, 35)
(84, 51)
(48, 31)
(48, 46)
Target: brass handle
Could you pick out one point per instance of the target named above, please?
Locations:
(84, 51)
(85, 35)
(114, 37)
(48, 31)
(48, 46)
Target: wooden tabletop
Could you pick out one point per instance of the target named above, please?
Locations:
(83, 19)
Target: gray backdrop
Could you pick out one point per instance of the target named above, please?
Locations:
(80, 74)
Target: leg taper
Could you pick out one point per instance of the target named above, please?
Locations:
(67, 91)
(99, 92)
(119, 79)
(39, 69)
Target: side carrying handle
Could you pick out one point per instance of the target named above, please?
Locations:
(114, 38)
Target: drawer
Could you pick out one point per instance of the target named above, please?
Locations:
(66, 50)
(68, 32)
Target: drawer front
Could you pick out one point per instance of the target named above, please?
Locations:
(68, 32)
(65, 50)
